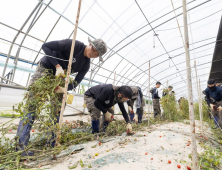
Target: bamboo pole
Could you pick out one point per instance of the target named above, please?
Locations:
(114, 79)
(201, 109)
(189, 85)
(149, 98)
(114, 85)
(68, 72)
(199, 98)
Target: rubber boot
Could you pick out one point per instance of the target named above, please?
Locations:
(131, 115)
(155, 114)
(23, 132)
(140, 116)
(104, 124)
(95, 126)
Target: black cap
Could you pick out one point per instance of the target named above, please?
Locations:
(170, 87)
(211, 81)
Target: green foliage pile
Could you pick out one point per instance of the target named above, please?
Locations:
(210, 159)
(169, 105)
(184, 108)
(44, 104)
(205, 111)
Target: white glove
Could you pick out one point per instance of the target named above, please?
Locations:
(59, 89)
(219, 108)
(212, 106)
(129, 128)
(130, 109)
(136, 118)
(108, 117)
(59, 71)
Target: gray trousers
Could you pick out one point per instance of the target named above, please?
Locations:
(156, 107)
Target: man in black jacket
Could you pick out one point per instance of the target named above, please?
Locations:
(156, 100)
(56, 59)
(214, 92)
(102, 98)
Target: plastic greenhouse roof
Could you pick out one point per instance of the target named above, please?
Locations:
(133, 39)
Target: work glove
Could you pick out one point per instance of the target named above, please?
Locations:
(136, 118)
(212, 107)
(129, 128)
(108, 117)
(59, 71)
(219, 109)
(130, 109)
(59, 89)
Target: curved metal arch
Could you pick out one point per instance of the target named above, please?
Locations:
(147, 25)
(147, 32)
(153, 28)
(172, 51)
(174, 57)
(18, 51)
(23, 25)
(175, 73)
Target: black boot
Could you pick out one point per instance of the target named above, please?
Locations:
(95, 126)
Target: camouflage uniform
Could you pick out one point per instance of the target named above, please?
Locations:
(23, 131)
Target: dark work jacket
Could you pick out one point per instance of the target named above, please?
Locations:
(104, 96)
(61, 50)
(216, 95)
(155, 94)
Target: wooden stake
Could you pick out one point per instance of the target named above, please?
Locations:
(189, 85)
(68, 73)
(149, 98)
(201, 109)
(199, 98)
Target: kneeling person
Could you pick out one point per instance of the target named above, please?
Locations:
(102, 98)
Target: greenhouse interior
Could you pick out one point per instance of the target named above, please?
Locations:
(103, 85)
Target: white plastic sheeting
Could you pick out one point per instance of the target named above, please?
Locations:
(123, 27)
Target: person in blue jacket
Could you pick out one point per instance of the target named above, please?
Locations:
(214, 92)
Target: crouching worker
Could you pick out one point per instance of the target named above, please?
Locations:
(214, 92)
(138, 97)
(102, 98)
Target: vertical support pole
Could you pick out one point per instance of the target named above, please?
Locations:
(12, 44)
(114, 79)
(114, 85)
(68, 72)
(149, 98)
(189, 85)
(201, 108)
(199, 98)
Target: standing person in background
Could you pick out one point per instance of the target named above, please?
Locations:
(156, 100)
(167, 91)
